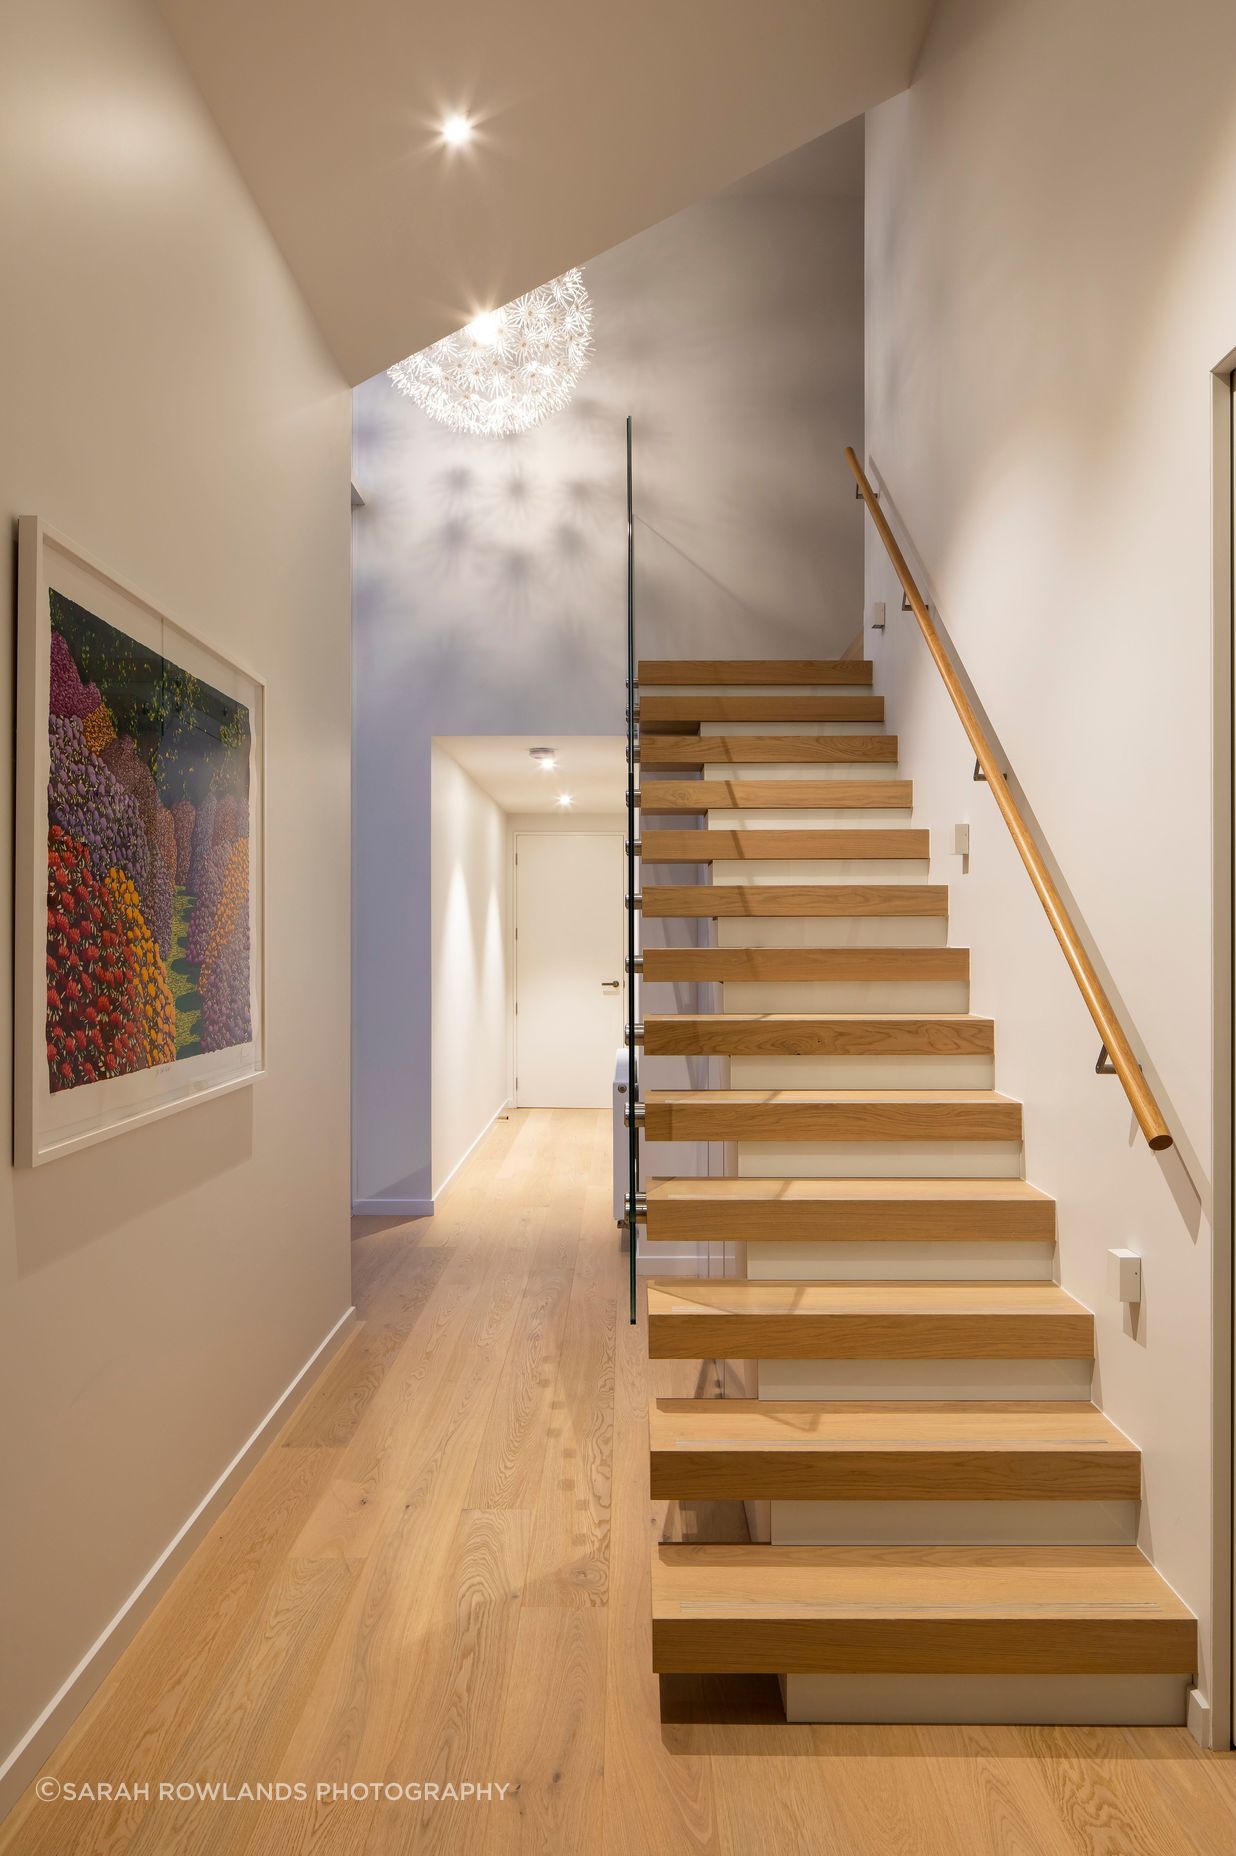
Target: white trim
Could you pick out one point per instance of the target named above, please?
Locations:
(41, 1738)
(392, 1208)
(1211, 1718)
(502, 1109)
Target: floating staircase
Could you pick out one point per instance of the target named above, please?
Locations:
(942, 1524)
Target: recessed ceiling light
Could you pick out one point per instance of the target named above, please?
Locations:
(565, 799)
(545, 758)
(456, 130)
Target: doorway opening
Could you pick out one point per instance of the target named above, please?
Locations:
(556, 802)
(570, 989)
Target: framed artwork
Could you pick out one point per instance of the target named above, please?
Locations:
(139, 849)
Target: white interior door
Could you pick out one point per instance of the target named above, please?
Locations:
(569, 986)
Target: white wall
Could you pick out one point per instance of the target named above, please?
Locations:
(1051, 278)
(490, 575)
(470, 900)
(168, 406)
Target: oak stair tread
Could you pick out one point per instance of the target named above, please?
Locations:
(916, 1610)
(831, 1114)
(668, 672)
(846, 1210)
(731, 1318)
(689, 846)
(760, 900)
(757, 750)
(721, 1449)
(713, 708)
(838, 1034)
(664, 796)
(842, 964)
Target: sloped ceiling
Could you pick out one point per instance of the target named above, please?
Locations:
(593, 122)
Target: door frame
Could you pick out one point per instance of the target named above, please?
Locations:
(1223, 1405)
(581, 825)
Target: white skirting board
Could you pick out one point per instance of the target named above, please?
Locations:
(41, 1738)
(439, 1190)
(425, 1208)
(1005, 1700)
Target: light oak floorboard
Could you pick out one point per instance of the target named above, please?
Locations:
(440, 1569)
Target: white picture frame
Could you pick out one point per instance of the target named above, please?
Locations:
(47, 1122)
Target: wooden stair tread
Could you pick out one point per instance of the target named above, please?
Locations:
(854, 1034)
(823, 1210)
(760, 900)
(774, 795)
(800, 1425)
(668, 672)
(831, 1114)
(757, 750)
(719, 708)
(729, 1318)
(888, 844)
(905, 1610)
(722, 1449)
(712, 1295)
(806, 963)
(862, 1189)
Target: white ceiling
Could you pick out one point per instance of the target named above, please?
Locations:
(591, 768)
(594, 122)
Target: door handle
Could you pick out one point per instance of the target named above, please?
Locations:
(610, 985)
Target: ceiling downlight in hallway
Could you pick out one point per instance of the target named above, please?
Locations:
(508, 369)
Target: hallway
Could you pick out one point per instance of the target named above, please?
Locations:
(439, 1574)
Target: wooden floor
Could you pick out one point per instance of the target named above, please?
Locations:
(440, 1573)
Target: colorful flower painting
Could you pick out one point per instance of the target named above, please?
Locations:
(148, 905)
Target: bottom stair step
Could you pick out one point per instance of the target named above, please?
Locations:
(916, 1611)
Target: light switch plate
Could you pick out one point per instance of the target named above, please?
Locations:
(961, 840)
(1125, 1268)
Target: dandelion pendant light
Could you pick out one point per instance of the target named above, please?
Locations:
(509, 369)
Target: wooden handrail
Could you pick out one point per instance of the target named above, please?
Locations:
(1141, 1098)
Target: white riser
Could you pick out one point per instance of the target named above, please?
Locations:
(782, 818)
(759, 689)
(734, 729)
(862, 817)
(919, 1260)
(823, 870)
(832, 931)
(759, 1520)
(845, 996)
(953, 1524)
(800, 770)
(1025, 1700)
(932, 1379)
(862, 1072)
(880, 1159)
